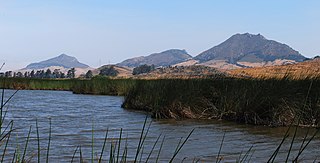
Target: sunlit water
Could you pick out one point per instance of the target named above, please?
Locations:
(74, 116)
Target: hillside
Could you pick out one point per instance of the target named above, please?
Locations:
(249, 48)
(182, 72)
(123, 71)
(165, 58)
(62, 60)
(306, 69)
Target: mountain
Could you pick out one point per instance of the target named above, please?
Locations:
(249, 48)
(62, 60)
(165, 58)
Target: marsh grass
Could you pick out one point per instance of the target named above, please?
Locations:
(36, 84)
(97, 85)
(271, 101)
(265, 102)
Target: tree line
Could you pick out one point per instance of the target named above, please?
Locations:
(40, 74)
(109, 70)
(57, 74)
(143, 69)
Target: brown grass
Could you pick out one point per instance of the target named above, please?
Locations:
(307, 69)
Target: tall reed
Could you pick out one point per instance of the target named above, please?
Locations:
(271, 102)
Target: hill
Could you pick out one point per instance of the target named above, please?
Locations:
(123, 71)
(165, 58)
(182, 72)
(243, 49)
(306, 69)
(62, 60)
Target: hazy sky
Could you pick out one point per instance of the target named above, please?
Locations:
(105, 31)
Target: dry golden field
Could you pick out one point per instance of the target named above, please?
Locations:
(302, 70)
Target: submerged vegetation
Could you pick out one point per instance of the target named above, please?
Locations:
(273, 102)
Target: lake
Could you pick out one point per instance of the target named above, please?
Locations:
(74, 116)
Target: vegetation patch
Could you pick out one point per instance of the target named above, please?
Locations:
(265, 102)
(273, 102)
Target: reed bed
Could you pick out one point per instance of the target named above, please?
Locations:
(272, 102)
(37, 84)
(103, 86)
(96, 85)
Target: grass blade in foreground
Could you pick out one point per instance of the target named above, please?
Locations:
(47, 159)
(293, 138)
(118, 153)
(38, 140)
(140, 140)
(164, 137)
(74, 154)
(175, 154)
(300, 152)
(154, 145)
(275, 153)
(26, 146)
(6, 145)
(104, 144)
(81, 159)
(246, 155)
(218, 157)
(92, 143)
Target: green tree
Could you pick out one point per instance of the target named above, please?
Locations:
(19, 74)
(56, 73)
(47, 74)
(71, 73)
(8, 74)
(108, 71)
(89, 74)
(39, 74)
(42, 74)
(62, 75)
(26, 74)
(143, 69)
(32, 75)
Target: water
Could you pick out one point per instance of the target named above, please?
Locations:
(74, 116)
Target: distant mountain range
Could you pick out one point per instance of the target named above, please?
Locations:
(165, 58)
(240, 50)
(62, 60)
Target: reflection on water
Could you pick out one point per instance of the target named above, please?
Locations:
(73, 117)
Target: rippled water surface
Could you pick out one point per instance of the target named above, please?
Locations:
(74, 116)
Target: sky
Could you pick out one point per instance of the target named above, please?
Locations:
(100, 32)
